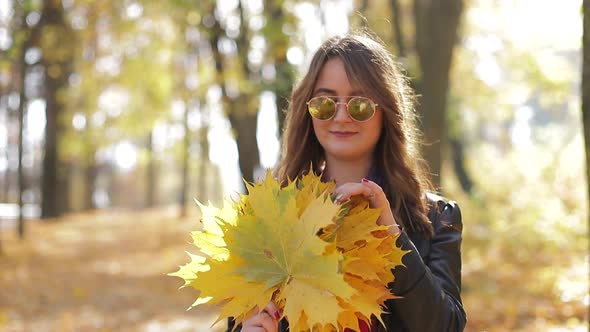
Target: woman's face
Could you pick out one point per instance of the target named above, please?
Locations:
(342, 137)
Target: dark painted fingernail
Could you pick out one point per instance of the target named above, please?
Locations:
(277, 315)
(365, 180)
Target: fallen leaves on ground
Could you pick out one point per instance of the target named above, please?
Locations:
(101, 271)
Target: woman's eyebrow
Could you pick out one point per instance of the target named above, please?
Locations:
(333, 92)
(324, 90)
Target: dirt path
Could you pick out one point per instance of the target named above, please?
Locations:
(99, 272)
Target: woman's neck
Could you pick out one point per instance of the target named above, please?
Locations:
(343, 171)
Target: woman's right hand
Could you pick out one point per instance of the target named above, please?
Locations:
(265, 321)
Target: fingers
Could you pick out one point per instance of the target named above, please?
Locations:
(263, 321)
(370, 190)
(377, 196)
(272, 310)
(269, 323)
(374, 193)
(347, 190)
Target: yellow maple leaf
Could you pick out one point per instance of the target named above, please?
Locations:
(320, 306)
(366, 261)
(310, 187)
(369, 255)
(210, 240)
(325, 265)
(237, 295)
(369, 298)
(356, 228)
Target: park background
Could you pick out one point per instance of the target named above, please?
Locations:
(115, 114)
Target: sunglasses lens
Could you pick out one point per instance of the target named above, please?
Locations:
(322, 108)
(361, 109)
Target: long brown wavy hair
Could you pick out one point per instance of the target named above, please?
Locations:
(397, 160)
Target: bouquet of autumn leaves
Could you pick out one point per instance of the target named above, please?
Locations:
(325, 265)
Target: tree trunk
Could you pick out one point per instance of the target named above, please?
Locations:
(282, 104)
(242, 119)
(203, 188)
(245, 126)
(90, 175)
(191, 50)
(186, 156)
(458, 156)
(203, 172)
(64, 181)
(5, 175)
(151, 172)
(56, 45)
(396, 17)
(278, 46)
(22, 102)
(21, 115)
(437, 26)
(586, 93)
(243, 111)
(91, 169)
(282, 89)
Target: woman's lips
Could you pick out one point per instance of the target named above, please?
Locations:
(343, 133)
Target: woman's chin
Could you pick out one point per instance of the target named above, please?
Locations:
(345, 155)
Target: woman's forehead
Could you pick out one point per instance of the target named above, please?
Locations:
(333, 78)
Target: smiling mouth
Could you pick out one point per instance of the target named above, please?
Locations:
(343, 133)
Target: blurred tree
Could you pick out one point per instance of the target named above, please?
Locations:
(56, 40)
(396, 19)
(16, 56)
(182, 75)
(278, 22)
(239, 86)
(7, 69)
(437, 25)
(87, 101)
(146, 37)
(186, 158)
(432, 27)
(15, 66)
(81, 143)
(191, 79)
(107, 103)
(586, 92)
(203, 174)
(21, 64)
(151, 193)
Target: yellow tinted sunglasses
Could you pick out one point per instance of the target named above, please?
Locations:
(359, 109)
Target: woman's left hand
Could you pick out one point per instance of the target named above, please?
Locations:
(374, 193)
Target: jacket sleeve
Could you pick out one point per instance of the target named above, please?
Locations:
(430, 286)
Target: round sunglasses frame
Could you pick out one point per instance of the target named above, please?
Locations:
(336, 103)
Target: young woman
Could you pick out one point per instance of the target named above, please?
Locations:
(352, 118)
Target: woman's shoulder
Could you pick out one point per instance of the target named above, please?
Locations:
(443, 212)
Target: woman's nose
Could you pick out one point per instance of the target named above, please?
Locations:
(342, 113)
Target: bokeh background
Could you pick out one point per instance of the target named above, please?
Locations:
(115, 114)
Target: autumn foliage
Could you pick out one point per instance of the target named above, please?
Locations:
(326, 265)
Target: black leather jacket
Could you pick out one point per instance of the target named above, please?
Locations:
(430, 281)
